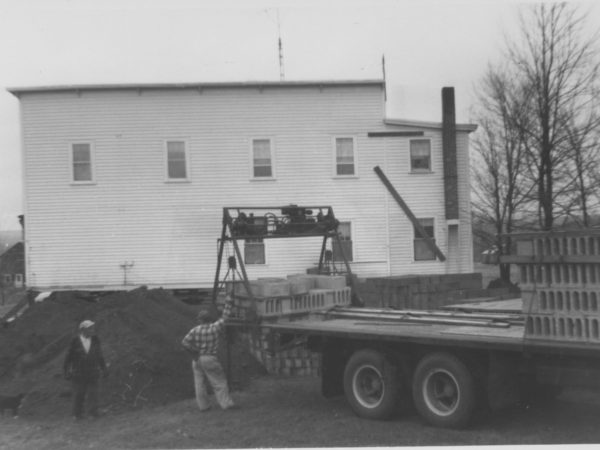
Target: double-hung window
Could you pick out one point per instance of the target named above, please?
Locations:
(345, 156)
(177, 160)
(262, 159)
(345, 244)
(254, 251)
(82, 162)
(422, 250)
(420, 155)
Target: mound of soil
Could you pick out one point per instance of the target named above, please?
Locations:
(140, 332)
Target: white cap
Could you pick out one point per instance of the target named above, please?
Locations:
(86, 324)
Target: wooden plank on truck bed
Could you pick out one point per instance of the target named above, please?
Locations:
(509, 306)
(422, 316)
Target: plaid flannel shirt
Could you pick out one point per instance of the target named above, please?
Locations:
(204, 339)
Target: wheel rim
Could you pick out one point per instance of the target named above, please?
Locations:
(368, 386)
(441, 392)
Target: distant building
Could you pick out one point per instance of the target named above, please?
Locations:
(12, 266)
(125, 184)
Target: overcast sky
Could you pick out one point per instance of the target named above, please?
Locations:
(427, 45)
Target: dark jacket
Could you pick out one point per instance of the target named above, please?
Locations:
(82, 366)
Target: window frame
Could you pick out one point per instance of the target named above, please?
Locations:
(271, 141)
(410, 156)
(7, 280)
(350, 238)
(264, 247)
(419, 240)
(354, 156)
(92, 162)
(187, 177)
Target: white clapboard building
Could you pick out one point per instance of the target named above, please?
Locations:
(125, 184)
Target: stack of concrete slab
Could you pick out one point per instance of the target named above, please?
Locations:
(560, 282)
(272, 297)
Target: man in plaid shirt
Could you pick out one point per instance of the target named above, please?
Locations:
(202, 342)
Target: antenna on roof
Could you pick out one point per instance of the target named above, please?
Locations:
(280, 45)
(281, 72)
(383, 70)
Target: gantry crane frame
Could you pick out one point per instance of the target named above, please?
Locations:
(273, 226)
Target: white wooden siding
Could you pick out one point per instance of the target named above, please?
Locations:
(78, 236)
(465, 238)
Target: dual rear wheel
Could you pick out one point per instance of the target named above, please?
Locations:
(443, 388)
(371, 384)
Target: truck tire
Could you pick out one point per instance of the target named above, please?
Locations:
(444, 391)
(371, 384)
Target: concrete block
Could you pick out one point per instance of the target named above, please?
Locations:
(525, 248)
(562, 300)
(269, 307)
(272, 288)
(565, 328)
(330, 282)
(237, 288)
(342, 296)
(301, 284)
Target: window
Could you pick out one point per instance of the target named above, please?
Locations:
(81, 159)
(262, 163)
(420, 155)
(176, 160)
(254, 251)
(344, 156)
(7, 280)
(422, 250)
(345, 232)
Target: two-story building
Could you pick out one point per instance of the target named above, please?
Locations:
(125, 184)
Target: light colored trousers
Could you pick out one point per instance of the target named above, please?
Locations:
(207, 367)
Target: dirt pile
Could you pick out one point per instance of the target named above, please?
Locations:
(140, 332)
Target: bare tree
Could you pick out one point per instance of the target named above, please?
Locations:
(559, 69)
(584, 150)
(500, 184)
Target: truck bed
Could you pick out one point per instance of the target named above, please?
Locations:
(511, 337)
(500, 334)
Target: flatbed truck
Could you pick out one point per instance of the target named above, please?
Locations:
(449, 364)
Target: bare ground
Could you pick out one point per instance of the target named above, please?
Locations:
(290, 412)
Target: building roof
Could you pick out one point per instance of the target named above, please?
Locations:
(13, 259)
(469, 127)
(17, 91)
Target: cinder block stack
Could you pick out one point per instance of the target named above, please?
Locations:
(422, 291)
(560, 282)
(296, 360)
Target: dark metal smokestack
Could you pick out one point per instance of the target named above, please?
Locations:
(449, 153)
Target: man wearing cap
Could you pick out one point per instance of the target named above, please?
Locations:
(83, 365)
(202, 342)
